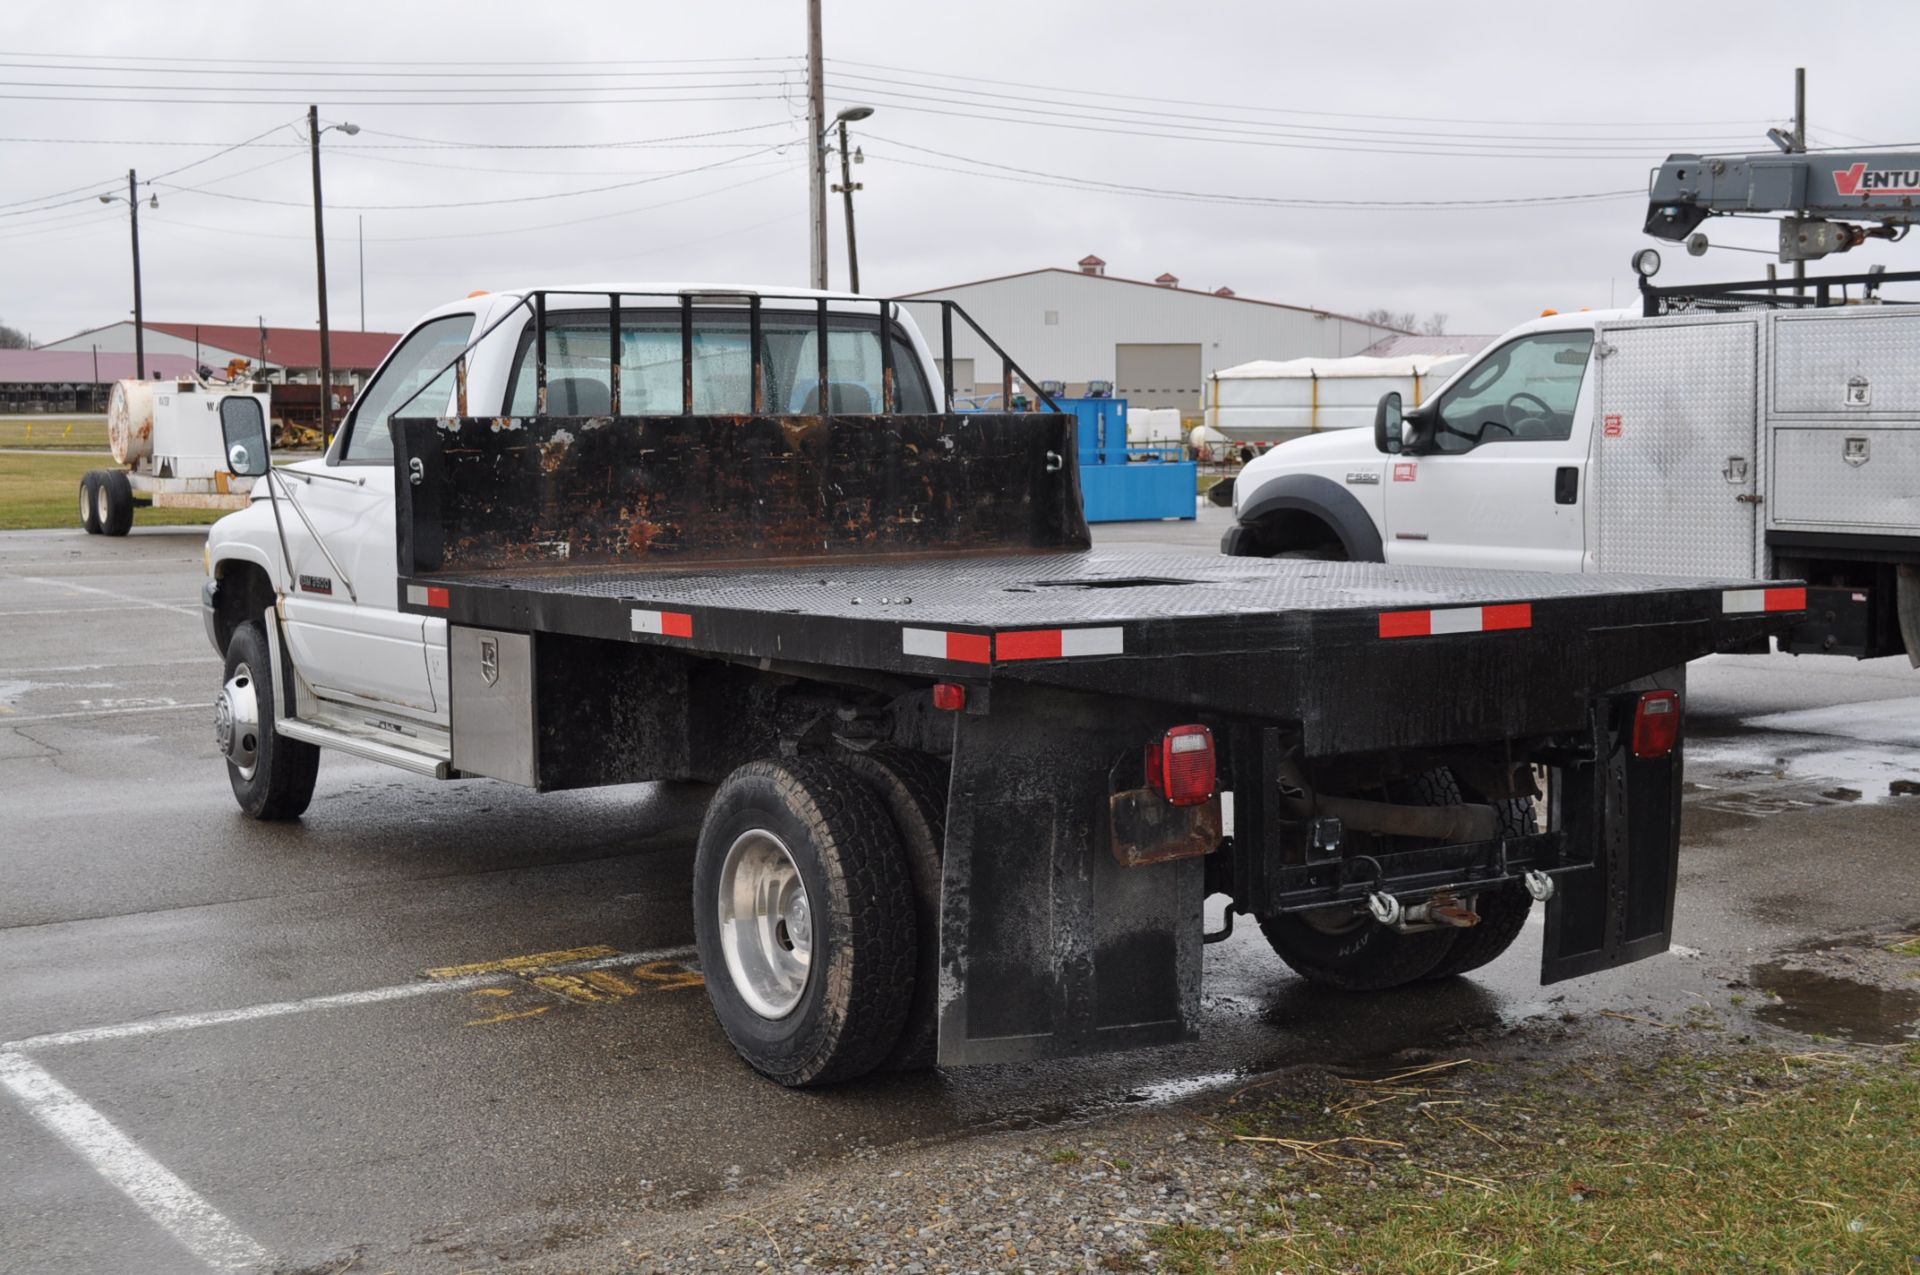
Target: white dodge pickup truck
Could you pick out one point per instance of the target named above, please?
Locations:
(1741, 442)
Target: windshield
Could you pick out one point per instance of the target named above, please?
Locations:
(418, 360)
(1526, 389)
(577, 362)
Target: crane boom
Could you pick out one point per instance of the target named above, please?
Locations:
(1822, 196)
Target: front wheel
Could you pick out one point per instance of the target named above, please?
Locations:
(803, 911)
(272, 776)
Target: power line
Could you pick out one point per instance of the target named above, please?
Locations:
(1260, 141)
(306, 97)
(335, 91)
(1308, 130)
(1282, 110)
(482, 203)
(226, 150)
(253, 69)
(784, 57)
(480, 234)
(71, 190)
(451, 144)
(678, 141)
(1031, 176)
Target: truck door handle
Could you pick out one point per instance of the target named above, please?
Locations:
(1566, 485)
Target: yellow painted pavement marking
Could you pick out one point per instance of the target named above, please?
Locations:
(505, 1015)
(523, 964)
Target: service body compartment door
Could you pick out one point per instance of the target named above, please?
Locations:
(1675, 447)
(1048, 947)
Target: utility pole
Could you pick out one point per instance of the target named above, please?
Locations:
(320, 265)
(362, 219)
(846, 188)
(1800, 147)
(139, 320)
(817, 151)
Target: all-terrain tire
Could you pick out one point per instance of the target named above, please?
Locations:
(280, 786)
(860, 979)
(115, 503)
(1355, 953)
(90, 501)
(914, 788)
(1503, 909)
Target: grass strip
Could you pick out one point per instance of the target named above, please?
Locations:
(1693, 1163)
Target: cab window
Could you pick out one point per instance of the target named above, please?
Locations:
(416, 363)
(1527, 389)
(578, 358)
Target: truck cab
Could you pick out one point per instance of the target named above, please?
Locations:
(1493, 477)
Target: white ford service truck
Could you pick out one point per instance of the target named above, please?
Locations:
(972, 774)
(1736, 434)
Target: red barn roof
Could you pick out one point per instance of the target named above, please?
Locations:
(289, 347)
(76, 367)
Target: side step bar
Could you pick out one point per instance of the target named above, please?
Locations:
(370, 749)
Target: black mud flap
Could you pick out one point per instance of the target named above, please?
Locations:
(1628, 810)
(1048, 947)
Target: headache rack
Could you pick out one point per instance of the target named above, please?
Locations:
(686, 301)
(1772, 294)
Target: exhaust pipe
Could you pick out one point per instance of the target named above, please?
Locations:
(1450, 824)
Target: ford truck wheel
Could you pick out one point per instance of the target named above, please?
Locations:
(803, 911)
(272, 777)
(913, 787)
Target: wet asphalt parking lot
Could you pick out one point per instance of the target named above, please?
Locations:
(441, 1027)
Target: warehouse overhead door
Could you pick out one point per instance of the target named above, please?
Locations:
(1158, 375)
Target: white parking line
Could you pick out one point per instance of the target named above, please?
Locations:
(341, 1000)
(109, 593)
(10, 719)
(173, 1204)
(177, 1207)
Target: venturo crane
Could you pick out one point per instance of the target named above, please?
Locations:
(1824, 197)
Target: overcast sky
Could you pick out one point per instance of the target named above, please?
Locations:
(460, 105)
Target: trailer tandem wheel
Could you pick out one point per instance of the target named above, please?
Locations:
(803, 913)
(114, 501)
(90, 501)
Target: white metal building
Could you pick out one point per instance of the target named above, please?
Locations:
(1157, 342)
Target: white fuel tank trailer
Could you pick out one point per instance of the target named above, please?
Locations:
(165, 436)
(1271, 401)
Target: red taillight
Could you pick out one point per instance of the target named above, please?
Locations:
(1181, 766)
(949, 695)
(1656, 724)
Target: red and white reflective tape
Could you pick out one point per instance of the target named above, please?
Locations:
(1023, 644)
(1056, 644)
(1755, 601)
(1510, 615)
(663, 623)
(938, 644)
(422, 595)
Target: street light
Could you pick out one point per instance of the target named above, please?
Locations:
(847, 185)
(132, 200)
(320, 266)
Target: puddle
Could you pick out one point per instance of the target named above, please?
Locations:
(1774, 774)
(1811, 1002)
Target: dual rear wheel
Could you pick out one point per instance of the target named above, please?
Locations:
(816, 889)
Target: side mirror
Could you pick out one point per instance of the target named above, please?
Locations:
(1386, 424)
(243, 429)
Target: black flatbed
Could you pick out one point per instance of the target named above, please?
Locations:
(1236, 635)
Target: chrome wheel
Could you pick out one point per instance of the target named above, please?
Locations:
(236, 722)
(766, 924)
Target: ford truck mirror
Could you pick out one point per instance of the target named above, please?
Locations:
(1386, 423)
(243, 429)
